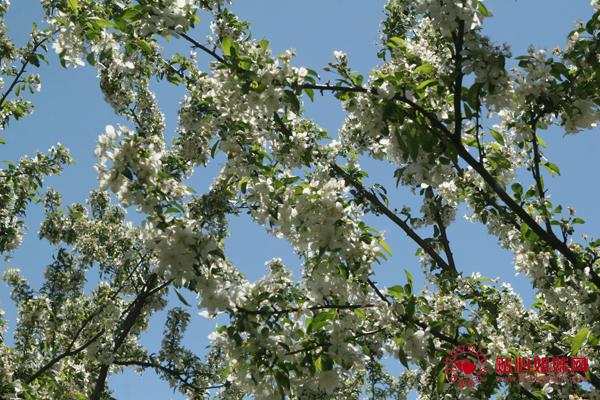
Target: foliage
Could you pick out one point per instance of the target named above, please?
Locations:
(427, 110)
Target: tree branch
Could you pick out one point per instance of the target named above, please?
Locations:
(179, 375)
(547, 237)
(202, 47)
(24, 63)
(458, 60)
(379, 206)
(537, 176)
(67, 353)
(445, 241)
(70, 352)
(313, 308)
(124, 329)
(334, 88)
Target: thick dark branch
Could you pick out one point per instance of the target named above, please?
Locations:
(380, 207)
(445, 241)
(124, 329)
(179, 375)
(312, 308)
(547, 237)
(334, 88)
(458, 79)
(70, 352)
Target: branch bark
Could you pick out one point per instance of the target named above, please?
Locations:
(124, 329)
(537, 176)
(179, 375)
(379, 206)
(24, 63)
(70, 352)
(458, 61)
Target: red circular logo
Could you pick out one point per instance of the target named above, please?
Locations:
(465, 366)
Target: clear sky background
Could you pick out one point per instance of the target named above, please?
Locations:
(71, 110)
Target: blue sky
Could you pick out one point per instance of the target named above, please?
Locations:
(70, 109)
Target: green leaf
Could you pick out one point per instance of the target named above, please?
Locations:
(131, 13)
(541, 141)
(396, 42)
(225, 373)
(283, 380)
(74, 6)
(103, 23)
(320, 320)
(396, 291)
(318, 364)
(174, 79)
(483, 10)
(428, 82)
(552, 168)
(402, 358)
(214, 149)
(310, 93)
(385, 246)
(409, 277)
(181, 298)
(91, 59)
(293, 101)
(145, 46)
(226, 46)
(264, 44)
(473, 96)
(323, 363)
(578, 340)
(498, 136)
(33, 59)
(424, 69)
(441, 379)
(518, 189)
(410, 308)
(550, 327)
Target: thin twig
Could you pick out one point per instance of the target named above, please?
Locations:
(24, 63)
